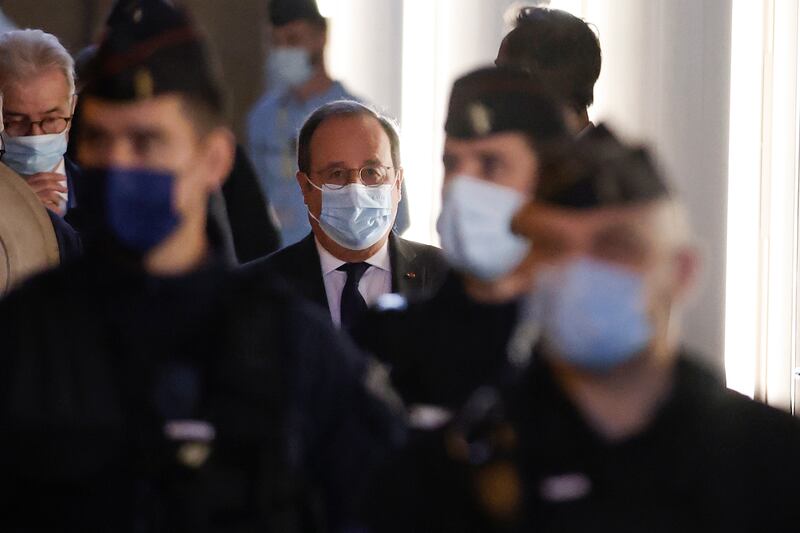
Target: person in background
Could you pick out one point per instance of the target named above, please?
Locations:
(500, 130)
(38, 84)
(609, 423)
(351, 180)
(67, 238)
(254, 230)
(562, 52)
(299, 83)
(148, 386)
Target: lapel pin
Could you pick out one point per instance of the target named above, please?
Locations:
(411, 275)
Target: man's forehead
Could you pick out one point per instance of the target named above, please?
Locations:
(44, 87)
(501, 141)
(51, 77)
(162, 110)
(358, 128)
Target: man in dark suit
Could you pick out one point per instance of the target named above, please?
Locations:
(351, 178)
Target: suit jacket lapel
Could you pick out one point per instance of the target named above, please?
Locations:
(309, 271)
(406, 277)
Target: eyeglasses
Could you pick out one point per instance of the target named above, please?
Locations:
(19, 128)
(370, 175)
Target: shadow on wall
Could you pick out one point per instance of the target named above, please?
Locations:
(235, 28)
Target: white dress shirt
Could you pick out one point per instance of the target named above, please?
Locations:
(376, 281)
(62, 205)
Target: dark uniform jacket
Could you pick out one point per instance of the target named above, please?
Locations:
(204, 402)
(442, 348)
(711, 460)
(252, 225)
(417, 269)
(69, 241)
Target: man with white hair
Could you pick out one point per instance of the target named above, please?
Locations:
(68, 240)
(38, 85)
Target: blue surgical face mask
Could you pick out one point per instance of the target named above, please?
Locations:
(475, 227)
(289, 66)
(32, 154)
(356, 216)
(132, 206)
(591, 314)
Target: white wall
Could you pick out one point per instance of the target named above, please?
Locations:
(365, 47)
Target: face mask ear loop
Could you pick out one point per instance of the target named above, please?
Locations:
(312, 215)
(312, 183)
(319, 189)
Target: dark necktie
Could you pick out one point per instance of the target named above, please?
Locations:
(352, 305)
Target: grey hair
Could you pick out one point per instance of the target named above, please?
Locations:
(341, 108)
(26, 53)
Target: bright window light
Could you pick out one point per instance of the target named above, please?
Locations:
(421, 128)
(742, 299)
(341, 36)
(325, 7)
(576, 7)
(780, 146)
(762, 264)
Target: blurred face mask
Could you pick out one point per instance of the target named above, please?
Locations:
(289, 66)
(355, 216)
(32, 154)
(475, 227)
(591, 313)
(132, 206)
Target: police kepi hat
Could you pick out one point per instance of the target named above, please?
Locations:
(599, 170)
(492, 100)
(150, 48)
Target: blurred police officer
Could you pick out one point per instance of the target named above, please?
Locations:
(351, 178)
(146, 387)
(244, 210)
(612, 426)
(562, 51)
(500, 128)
